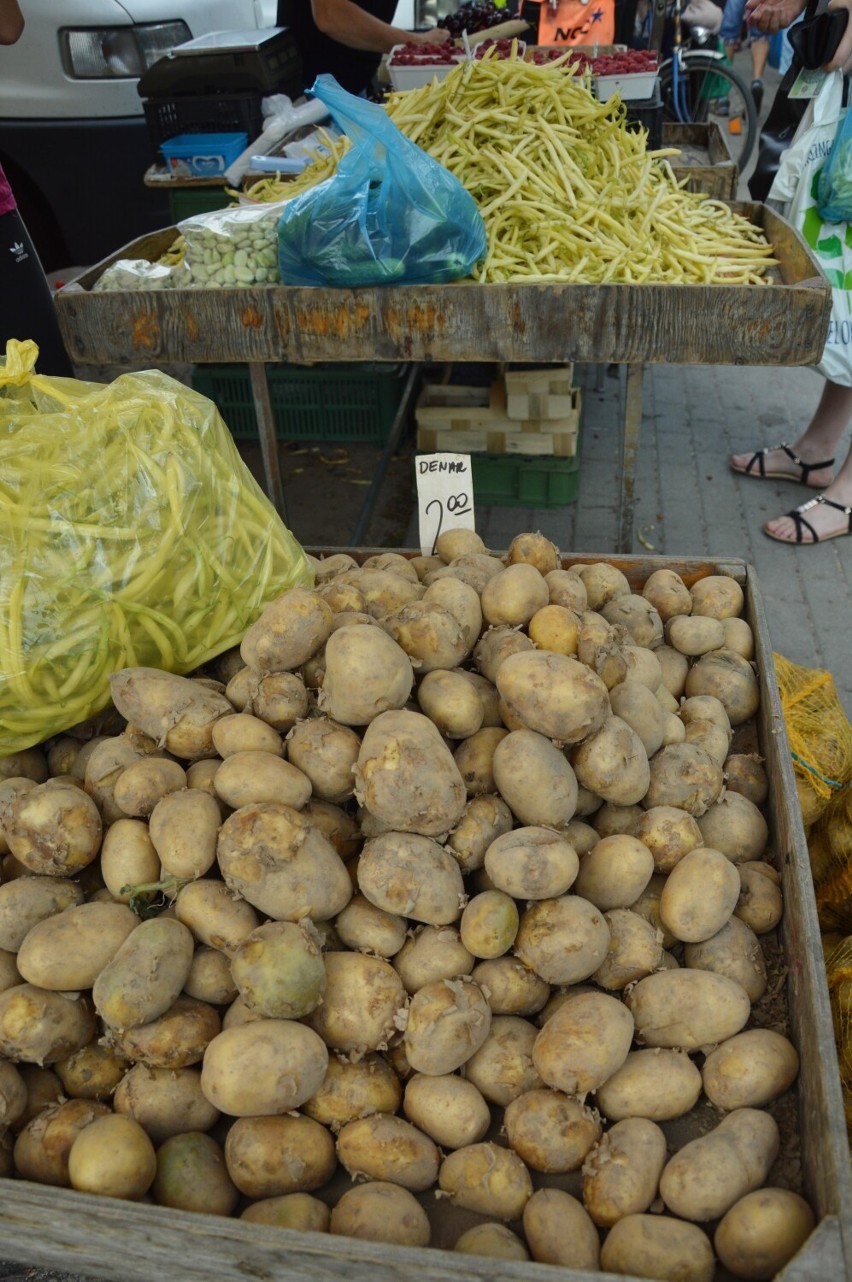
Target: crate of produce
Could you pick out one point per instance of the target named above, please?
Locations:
(543, 393)
(203, 114)
(525, 480)
(202, 155)
(468, 419)
(324, 402)
(704, 162)
(410, 65)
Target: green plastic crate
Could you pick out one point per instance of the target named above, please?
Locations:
(525, 480)
(325, 402)
(187, 201)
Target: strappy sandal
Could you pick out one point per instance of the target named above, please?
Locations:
(759, 459)
(802, 524)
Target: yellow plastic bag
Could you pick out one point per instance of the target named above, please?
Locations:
(131, 532)
(819, 733)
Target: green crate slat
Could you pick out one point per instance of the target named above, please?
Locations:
(332, 402)
(523, 480)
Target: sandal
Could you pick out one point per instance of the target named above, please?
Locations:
(759, 457)
(801, 524)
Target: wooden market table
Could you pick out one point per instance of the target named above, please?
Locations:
(784, 323)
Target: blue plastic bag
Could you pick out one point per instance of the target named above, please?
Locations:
(834, 182)
(390, 215)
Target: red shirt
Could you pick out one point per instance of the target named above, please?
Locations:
(7, 200)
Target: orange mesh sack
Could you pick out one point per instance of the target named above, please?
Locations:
(819, 734)
(838, 967)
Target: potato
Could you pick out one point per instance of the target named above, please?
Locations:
(448, 1021)
(495, 646)
(456, 542)
(53, 829)
(612, 762)
(279, 969)
(342, 597)
(687, 1009)
(668, 593)
(674, 667)
(555, 628)
(463, 603)
(325, 753)
(275, 1155)
(502, 1068)
(9, 973)
(486, 817)
(164, 1101)
(450, 1110)
(128, 858)
(335, 823)
(489, 924)
(580, 836)
(760, 904)
(708, 1175)
(731, 678)
(145, 974)
(28, 900)
(365, 928)
(602, 582)
(406, 776)
(559, 1231)
(531, 862)
(488, 696)
(694, 635)
(601, 646)
(718, 596)
(622, 1172)
(638, 707)
(191, 1175)
(44, 1088)
(535, 779)
(583, 1043)
(381, 1212)
(474, 758)
(184, 828)
(674, 731)
(513, 596)
(615, 872)
(734, 825)
(29, 763)
(712, 738)
(40, 1026)
(669, 833)
(112, 1157)
(214, 915)
(362, 998)
(745, 774)
(42, 1146)
(638, 616)
(450, 701)
(684, 776)
(567, 589)
(174, 711)
(328, 567)
(411, 876)
(611, 819)
(546, 923)
(252, 778)
(352, 1089)
(268, 1066)
(533, 549)
(67, 951)
(289, 631)
(657, 1084)
(762, 1232)
(243, 732)
(739, 637)
(274, 857)
(366, 673)
(138, 788)
(553, 694)
(388, 1148)
(655, 1246)
(513, 989)
(699, 896)
(429, 633)
(634, 951)
(733, 951)
(298, 1211)
(750, 1070)
(495, 1241)
(13, 1094)
(177, 1039)
(550, 1131)
(432, 953)
(472, 568)
(488, 1179)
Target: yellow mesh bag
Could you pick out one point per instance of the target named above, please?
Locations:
(838, 967)
(819, 734)
(131, 533)
(830, 851)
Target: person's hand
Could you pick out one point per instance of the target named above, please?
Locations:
(842, 60)
(437, 36)
(773, 15)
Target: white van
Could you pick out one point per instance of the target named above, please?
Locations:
(73, 138)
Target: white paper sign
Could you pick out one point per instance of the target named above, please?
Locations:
(444, 496)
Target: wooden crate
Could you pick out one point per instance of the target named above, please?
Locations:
(705, 160)
(540, 393)
(102, 1237)
(473, 419)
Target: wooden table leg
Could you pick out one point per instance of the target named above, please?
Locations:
(268, 439)
(629, 451)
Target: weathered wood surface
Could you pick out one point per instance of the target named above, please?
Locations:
(705, 160)
(782, 324)
(136, 1243)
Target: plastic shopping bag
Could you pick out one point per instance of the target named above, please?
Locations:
(834, 185)
(131, 532)
(795, 189)
(390, 215)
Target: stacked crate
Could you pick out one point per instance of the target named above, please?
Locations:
(522, 434)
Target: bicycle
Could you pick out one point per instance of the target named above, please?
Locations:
(699, 86)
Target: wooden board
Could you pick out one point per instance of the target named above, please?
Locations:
(705, 161)
(782, 324)
(463, 419)
(540, 394)
(101, 1237)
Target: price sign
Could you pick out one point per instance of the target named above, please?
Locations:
(444, 496)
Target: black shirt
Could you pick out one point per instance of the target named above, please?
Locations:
(351, 68)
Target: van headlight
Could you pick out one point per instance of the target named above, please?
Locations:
(109, 53)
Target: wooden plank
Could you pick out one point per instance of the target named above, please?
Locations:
(482, 440)
(546, 394)
(781, 324)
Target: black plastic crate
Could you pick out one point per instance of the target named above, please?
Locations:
(190, 114)
(647, 113)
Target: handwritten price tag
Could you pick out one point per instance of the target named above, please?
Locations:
(444, 496)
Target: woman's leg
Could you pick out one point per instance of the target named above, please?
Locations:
(823, 519)
(27, 309)
(817, 443)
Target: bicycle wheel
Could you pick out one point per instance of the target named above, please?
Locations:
(711, 92)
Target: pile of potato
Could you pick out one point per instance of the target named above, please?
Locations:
(433, 913)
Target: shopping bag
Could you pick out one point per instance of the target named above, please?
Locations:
(389, 215)
(795, 189)
(777, 132)
(131, 533)
(834, 185)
